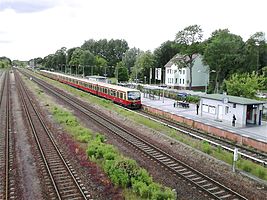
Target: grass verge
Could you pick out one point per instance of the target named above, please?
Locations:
(242, 164)
(122, 171)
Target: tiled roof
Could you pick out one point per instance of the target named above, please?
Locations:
(178, 57)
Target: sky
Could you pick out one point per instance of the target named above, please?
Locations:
(36, 28)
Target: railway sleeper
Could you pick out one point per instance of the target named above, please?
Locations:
(191, 175)
(181, 170)
(166, 160)
(202, 181)
(207, 185)
(69, 190)
(219, 192)
(226, 196)
(57, 169)
(178, 167)
(185, 173)
(160, 156)
(71, 196)
(214, 188)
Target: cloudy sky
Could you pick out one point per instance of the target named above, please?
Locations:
(36, 28)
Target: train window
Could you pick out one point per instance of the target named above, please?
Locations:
(134, 95)
(112, 92)
(121, 95)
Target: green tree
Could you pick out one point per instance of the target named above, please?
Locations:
(121, 72)
(87, 60)
(190, 40)
(144, 62)
(76, 59)
(112, 51)
(245, 85)
(102, 65)
(256, 53)
(224, 54)
(49, 61)
(165, 53)
(129, 58)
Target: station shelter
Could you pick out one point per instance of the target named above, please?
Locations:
(151, 92)
(223, 107)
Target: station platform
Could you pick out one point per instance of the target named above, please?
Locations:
(255, 132)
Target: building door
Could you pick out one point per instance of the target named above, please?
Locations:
(220, 112)
(249, 114)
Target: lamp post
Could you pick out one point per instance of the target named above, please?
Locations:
(136, 75)
(92, 70)
(83, 71)
(145, 79)
(258, 55)
(105, 72)
(207, 78)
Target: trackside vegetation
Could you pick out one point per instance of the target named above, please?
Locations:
(122, 171)
(216, 152)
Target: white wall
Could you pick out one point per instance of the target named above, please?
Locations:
(209, 107)
(200, 75)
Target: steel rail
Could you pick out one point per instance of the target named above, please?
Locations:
(7, 139)
(49, 134)
(247, 153)
(154, 152)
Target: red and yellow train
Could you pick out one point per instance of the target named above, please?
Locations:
(127, 97)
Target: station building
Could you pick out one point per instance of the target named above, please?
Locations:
(222, 108)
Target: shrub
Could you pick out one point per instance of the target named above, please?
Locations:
(143, 176)
(119, 177)
(192, 99)
(125, 172)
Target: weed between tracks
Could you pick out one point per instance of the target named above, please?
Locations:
(242, 164)
(122, 171)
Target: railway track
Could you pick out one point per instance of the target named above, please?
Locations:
(7, 189)
(61, 179)
(245, 152)
(211, 187)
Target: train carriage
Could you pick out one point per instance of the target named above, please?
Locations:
(128, 97)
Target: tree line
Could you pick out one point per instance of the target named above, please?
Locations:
(225, 53)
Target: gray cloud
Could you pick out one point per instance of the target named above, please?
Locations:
(25, 6)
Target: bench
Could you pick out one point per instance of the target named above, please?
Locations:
(182, 104)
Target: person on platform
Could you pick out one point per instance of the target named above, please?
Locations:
(233, 121)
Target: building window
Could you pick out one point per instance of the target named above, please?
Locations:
(180, 81)
(183, 81)
(234, 105)
(176, 80)
(180, 71)
(184, 71)
(226, 110)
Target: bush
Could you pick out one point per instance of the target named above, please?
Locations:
(192, 99)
